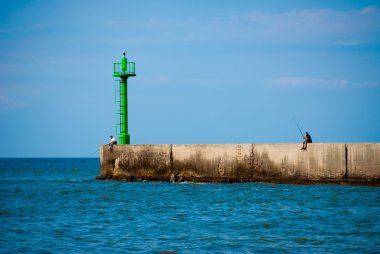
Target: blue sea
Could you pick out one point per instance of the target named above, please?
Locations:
(56, 206)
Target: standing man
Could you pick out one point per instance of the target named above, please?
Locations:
(307, 139)
(111, 143)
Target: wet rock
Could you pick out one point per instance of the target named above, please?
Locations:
(173, 178)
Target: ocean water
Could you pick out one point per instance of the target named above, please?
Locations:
(56, 206)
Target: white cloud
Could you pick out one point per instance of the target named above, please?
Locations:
(347, 43)
(17, 96)
(8, 104)
(374, 83)
(162, 78)
(7, 69)
(370, 10)
(328, 26)
(363, 25)
(305, 81)
(321, 82)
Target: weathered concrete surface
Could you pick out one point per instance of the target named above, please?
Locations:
(322, 162)
(260, 162)
(131, 162)
(363, 161)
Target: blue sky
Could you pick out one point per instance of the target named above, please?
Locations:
(207, 72)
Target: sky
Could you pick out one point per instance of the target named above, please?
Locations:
(207, 72)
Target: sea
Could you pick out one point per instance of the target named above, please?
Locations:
(55, 205)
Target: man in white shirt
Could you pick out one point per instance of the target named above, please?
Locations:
(111, 143)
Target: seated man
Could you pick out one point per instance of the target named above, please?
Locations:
(111, 143)
(307, 139)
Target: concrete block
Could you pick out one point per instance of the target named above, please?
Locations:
(211, 160)
(287, 161)
(135, 161)
(363, 161)
(260, 161)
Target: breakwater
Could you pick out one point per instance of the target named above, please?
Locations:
(355, 163)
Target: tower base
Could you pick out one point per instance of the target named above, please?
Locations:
(125, 139)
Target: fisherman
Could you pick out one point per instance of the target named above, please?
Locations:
(111, 143)
(307, 139)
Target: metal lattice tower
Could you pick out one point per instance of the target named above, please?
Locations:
(124, 70)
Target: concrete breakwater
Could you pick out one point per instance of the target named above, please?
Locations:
(356, 163)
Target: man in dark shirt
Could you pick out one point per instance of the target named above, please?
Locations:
(307, 139)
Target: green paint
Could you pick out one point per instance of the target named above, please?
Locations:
(124, 70)
(124, 64)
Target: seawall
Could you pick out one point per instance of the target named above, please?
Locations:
(353, 163)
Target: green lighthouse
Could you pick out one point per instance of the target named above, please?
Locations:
(124, 70)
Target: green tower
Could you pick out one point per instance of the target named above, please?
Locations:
(124, 70)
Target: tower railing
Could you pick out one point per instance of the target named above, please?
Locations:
(117, 69)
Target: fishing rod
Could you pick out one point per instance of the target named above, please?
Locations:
(298, 127)
(95, 152)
